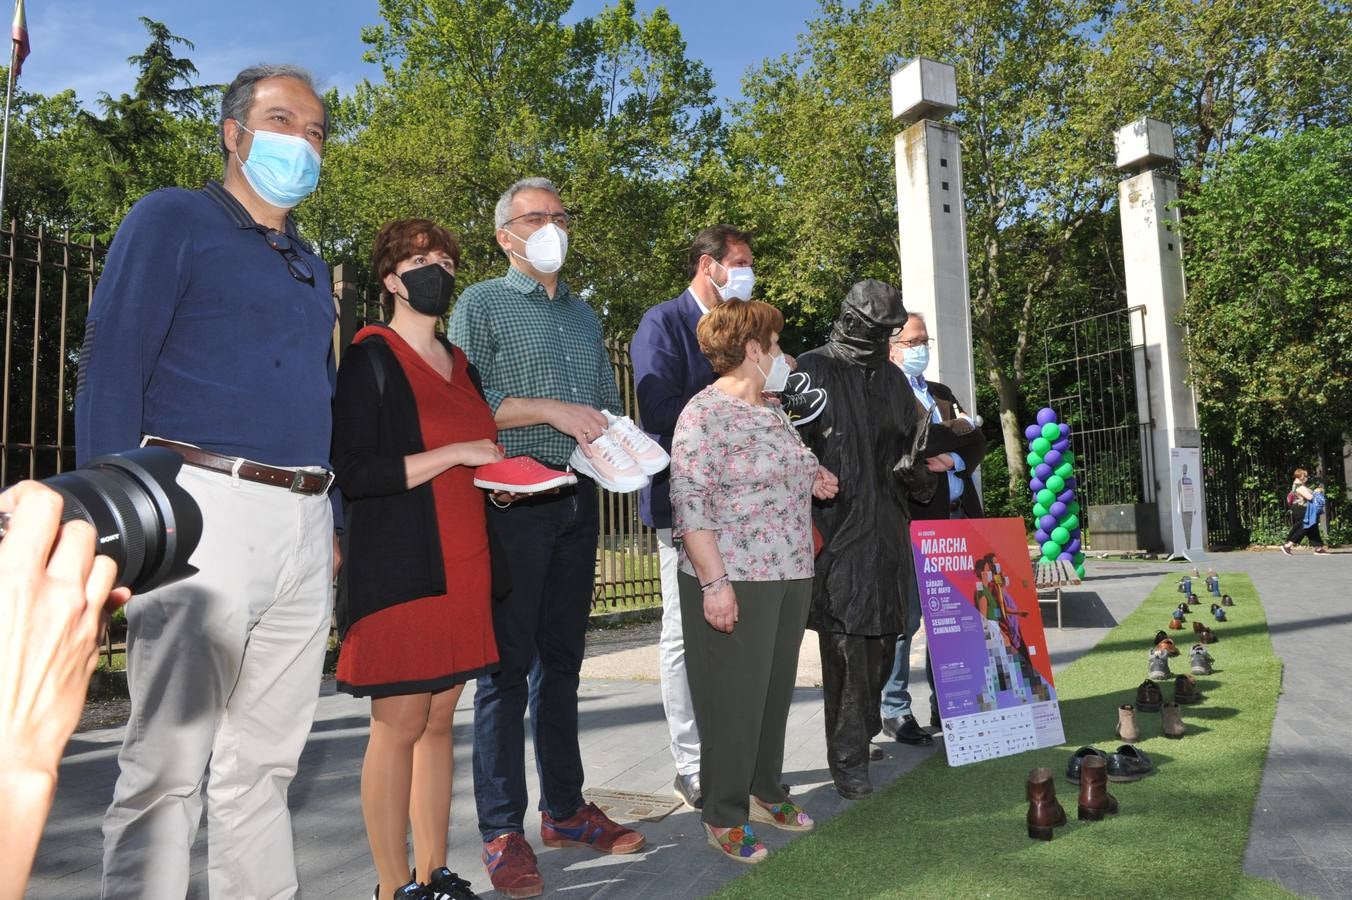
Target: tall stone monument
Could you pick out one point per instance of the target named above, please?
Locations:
(931, 221)
(1153, 257)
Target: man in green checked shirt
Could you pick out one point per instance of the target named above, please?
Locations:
(546, 376)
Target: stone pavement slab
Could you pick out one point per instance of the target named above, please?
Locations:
(1302, 825)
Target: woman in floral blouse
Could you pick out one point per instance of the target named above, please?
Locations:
(741, 492)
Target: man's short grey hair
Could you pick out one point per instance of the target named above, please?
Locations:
(239, 96)
(502, 214)
(896, 333)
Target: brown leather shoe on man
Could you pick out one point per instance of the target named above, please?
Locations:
(1044, 810)
(1095, 801)
(591, 829)
(511, 866)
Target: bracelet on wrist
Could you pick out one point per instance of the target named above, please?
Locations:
(715, 584)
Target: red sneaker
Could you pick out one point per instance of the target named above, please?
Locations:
(521, 475)
(511, 866)
(591, 828)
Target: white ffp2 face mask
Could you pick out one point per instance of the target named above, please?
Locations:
(778, 376)
(546, 249)
(741, 281)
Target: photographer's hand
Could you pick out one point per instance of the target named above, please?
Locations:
(52, 596)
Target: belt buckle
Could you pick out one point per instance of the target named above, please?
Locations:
(299, 476)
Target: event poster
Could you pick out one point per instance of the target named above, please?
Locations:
(992, 671)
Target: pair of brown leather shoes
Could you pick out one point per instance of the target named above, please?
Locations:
(1045, 812)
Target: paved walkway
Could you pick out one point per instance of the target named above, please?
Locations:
(1302, 832)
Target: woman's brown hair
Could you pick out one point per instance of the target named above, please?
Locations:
(723, 333)
(404, 238)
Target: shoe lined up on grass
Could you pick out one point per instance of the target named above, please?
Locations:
(521, 475)
(1045, 812)
(1149, 697)
(1200, 660)
(1095, 801)
(1158, 669)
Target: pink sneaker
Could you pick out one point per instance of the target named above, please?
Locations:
(649, 455)
(609, 466)
(521, 475)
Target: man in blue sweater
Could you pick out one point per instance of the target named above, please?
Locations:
(210, 333)
(669, 369)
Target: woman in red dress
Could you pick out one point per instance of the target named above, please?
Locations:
(410, 426)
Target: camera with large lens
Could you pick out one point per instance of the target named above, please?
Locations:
(145, 522)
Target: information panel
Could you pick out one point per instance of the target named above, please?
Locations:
(992, 672)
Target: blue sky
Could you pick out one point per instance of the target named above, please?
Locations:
(84, 44)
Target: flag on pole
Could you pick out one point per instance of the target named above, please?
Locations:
(20, 34)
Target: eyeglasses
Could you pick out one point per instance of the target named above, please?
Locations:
(295, 263)
(928, 342)
(540, 219)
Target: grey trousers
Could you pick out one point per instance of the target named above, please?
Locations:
(223, 670)
(742, 685)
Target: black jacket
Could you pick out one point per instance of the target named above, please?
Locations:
(391, 543)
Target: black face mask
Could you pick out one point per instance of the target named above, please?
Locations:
(430, 289)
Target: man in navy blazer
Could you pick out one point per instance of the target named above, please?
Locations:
(669, 369)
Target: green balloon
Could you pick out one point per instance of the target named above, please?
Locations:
(1040, 446)
(1073, 507)
(1034, 459)
(1051, 550)
(1061, 535)
(1070, 522)
(1046, 497)
(1051, 431)
(1078, 558)
(1068, 457)
(1064, 470)
(1039, 510)
(1056, 484)
(1079, 570)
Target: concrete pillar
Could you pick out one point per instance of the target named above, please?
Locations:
(1153, 257)
(931, 221)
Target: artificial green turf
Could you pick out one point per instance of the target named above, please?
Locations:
(959, 832)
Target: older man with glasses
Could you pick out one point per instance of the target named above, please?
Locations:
(538, 349)
(211, 333)
(953, 449)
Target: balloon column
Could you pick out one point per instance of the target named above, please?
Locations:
(1056, 512)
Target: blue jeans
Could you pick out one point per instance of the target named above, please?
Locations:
(550, 543)
(896, 694)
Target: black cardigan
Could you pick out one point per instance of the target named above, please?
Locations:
(391, 542)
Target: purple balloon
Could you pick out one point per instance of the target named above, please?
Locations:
(1057, 509)
(1047, 522)
(1064, 557)
(1065, 430)
(1036, 485)
(1041, 536)
(1045, 415)
(1072, 483)
(1042, 471)
(1066, 496)
(1032, 432)
(1062, 445)
(1073, 546)
(1052, 458)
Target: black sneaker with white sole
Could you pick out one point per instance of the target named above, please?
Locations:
(803, 407)
(446, 885)
(797, 383)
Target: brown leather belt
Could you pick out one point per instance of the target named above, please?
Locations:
(297, 482)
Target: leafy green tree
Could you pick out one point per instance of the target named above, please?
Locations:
(479, 93)
(1269, 307)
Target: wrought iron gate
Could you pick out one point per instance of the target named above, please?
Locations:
(1096, 382)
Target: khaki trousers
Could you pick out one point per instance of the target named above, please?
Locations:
(223, 670)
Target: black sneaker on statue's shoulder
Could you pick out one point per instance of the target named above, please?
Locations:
(804, 406)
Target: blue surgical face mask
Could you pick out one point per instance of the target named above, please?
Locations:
(915, 360)
(282, 169)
